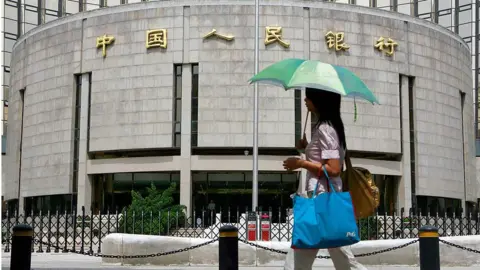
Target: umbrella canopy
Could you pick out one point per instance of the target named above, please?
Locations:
(299, 74)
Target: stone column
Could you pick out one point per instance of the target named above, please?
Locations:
(186, 124)
(405, 185)
(21, 205)
(185, 150)
(84, 191)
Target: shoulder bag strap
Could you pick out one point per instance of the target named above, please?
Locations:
(348, 164)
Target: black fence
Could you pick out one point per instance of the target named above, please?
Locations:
(84, 233)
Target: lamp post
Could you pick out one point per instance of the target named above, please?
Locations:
(255, 114)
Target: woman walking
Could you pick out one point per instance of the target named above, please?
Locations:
(326, 150)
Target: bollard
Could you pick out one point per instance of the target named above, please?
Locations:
(21, 256)
(429, 248)
(228, 248)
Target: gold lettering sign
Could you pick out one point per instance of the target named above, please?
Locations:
(386, 45)
(274, 34)
(214, 33)
(336, 40)
(156, 38)
(103, 42)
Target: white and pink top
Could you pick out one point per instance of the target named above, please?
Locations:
(324, 145)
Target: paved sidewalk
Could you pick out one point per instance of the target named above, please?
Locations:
(62, 261)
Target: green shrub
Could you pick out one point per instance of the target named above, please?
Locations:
(152, 214)
(369, 228)
(85, 220)
(5, 236)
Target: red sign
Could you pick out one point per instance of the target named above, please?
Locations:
(252, 226)
(265, 225)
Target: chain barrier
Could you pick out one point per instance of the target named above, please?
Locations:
(460, 247)
(328, 257)
(262, 247)
(245, 242)
(387, 250)
(128, 256)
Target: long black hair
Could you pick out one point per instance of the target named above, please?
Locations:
(328, 106)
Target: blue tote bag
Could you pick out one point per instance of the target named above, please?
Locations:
(324, 221)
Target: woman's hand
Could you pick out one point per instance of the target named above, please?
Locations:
(293, 163)
(302, 143)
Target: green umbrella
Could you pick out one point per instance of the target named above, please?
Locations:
(298, 73)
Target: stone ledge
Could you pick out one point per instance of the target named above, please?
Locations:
(129, 244)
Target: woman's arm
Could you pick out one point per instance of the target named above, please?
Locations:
(331, 165)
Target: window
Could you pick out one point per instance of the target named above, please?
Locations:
(53, 203)
(194, 128)
(177, 105)
(122, 184)
(5, 115)
(443, 206)
(424, 10)
(384, 4)
(298, 115)
(12, 17)
(365, 3)
(22, 104)
(12, 207)
(144, 180)
(445, 15)
(404, 6)
(76, 131)
(464, 19)
(411, 120)
(232, 191)
(32, 16)
(72, 7)
(462, 107)
(112, 3)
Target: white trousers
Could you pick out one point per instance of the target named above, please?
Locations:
(302, 259)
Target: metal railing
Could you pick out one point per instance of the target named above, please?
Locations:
(83, 233)
(228, 249)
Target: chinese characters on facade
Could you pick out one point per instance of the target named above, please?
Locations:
(103, 42)
(214, 33)
(156, 38)
(273, 34)
(386, 45)
(336, 41)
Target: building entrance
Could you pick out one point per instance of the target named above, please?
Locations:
(112, 192)
(230, 194)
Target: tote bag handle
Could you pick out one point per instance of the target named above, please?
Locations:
(329, 183)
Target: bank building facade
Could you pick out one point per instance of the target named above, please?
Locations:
(115, 99)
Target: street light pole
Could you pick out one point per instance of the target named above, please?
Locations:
(255, 113)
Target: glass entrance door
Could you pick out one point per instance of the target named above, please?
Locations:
(231, 193)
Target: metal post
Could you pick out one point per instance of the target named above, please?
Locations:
(21, 256)
(477, 47)
(228, 248)
(429, 248)
(435, 11)
(255, 114)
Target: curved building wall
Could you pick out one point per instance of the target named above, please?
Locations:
(132, 88)
(43, 66)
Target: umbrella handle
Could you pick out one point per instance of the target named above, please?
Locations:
(306, 121)
(304, 128)
(299, 173)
